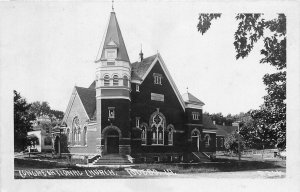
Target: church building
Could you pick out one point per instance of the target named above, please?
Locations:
(135, 109)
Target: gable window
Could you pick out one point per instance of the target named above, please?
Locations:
(115, 80)
(106, 80)
(111, 112)
(157, 78)
(125, 81)
(207, 140)
(137, 88)
(111, 54)
(195, 115)
(137, 122)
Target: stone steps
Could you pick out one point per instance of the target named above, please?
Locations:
(112, 159)
(201, 157)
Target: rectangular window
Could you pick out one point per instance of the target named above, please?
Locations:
(137, 122)
(111, 112)
(195, 115)
(157, 78)
(137, 88)
(156, 159)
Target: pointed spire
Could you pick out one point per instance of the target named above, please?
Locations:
(112, 6)
(113, 39)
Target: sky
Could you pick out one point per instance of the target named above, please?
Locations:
(49, 47)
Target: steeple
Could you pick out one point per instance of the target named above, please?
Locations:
(113, 45)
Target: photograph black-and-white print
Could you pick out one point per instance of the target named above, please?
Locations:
(148, 90)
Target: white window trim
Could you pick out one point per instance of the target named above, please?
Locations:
(137, 88)
(109, 112)
(195, 115)
(137, 122)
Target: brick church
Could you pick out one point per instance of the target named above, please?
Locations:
(135, 109)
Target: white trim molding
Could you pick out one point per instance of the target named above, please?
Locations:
(168, 75)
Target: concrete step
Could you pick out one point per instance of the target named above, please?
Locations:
(201, 157)
(112, 159)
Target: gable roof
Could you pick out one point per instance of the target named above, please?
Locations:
(88, 99)
(140, 68)
(207, 122)
(93, 85)
(189, 98)
(113, 38)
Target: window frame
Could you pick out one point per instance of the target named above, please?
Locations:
(106, 80)
(157, 78)
(207, 139)
(111, 112)
(195, 115)
(115, 80)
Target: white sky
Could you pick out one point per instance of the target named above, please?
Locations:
(50, 47)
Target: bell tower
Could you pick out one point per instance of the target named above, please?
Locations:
(113, 75)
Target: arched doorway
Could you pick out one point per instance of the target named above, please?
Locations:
(112, 141)
(195, 140)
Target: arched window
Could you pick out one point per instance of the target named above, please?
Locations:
(84, 136)
(207, 140)
(154, 136)
(170, 130)
(78, 136)
(125, 81)
(75, 130)
(144, 134)
(157, 123)
(222, 142)
(106, 80)
(68, 135)
(115, 80)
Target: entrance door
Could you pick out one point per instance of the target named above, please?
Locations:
(195, 143)
(112, 141)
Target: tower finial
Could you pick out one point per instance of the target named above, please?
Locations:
(187, 89)
(141, 54)
(112, 5)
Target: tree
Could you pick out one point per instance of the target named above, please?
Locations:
(231, 143)
(22, 121)
(251, 28)
(43, 108)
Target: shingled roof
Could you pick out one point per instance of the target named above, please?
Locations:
(113, 38)
(140, 68)
(88, 99)
(207, 123)
(189, 98)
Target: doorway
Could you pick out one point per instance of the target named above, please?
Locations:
(195, 141)
(112, 142)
